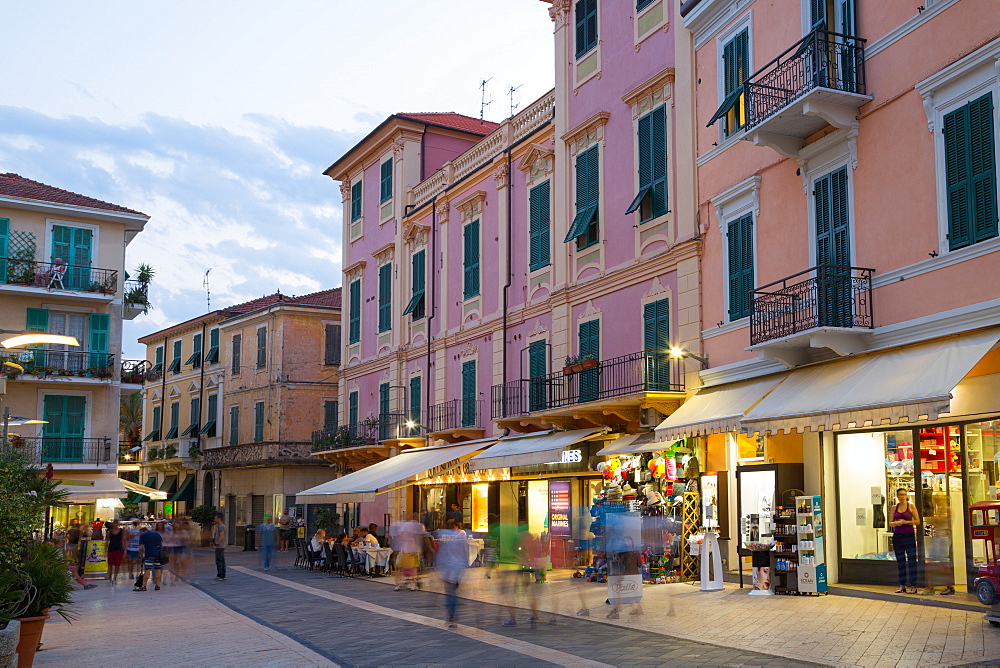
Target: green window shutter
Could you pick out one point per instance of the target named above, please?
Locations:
(158, 357)
(818, 14)
(258, 422)
(330, 415)
(970, 173)
(352, 409)
(237, 352)
(385, 183)
(38, 320)
(739, 238)
(418, 278)
(234, 425)
(469, 395)
(175, 361)
(356, 201)
(331, 353)
(99, 323)
(261, 347)
(642, 4)
(536, 359)
(195, 359)
(75, 246)
(470, 240)
(354, 325)
(383, 412)
(211, 416)
(4, 247)
(735, 68)
(416, 391)
(194, 420)
(385, 298)
(154, 432)
(175, 417)
(212, 356)
(540, 214)
(651, 199)
(66, 417)
(656, 326)
(62, 243)
(588, 336)
(584, 227)
(586, 26)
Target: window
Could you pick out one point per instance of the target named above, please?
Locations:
(735, 68)
(834, 298)
(656, 343)
(469, 403)
(651, 200)
(470, 260)
(210, 416)
(66, 418)
(4, 248)
(258, 421)
(970, 173)
(352, 411)
(385, 184)
(175, 418)
(234, 425)
(385, 297)
(354, 315)
(175, 362)
(332, 352)
(75, 246)
(383, 411)
(158, 357)
(416, 392)
(154, 432)
(356, 201)
(195, 359)
(537, 370)
(99, 324)
(642, 4)
(739, 244)
(331, 410)
(261, 347)
(584, 227)
(540, 215)
(195, 419)
(418, 278)
(213, 347)
(589, 341)
(586, 26)
(237, 352)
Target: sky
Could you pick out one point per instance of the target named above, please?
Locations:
(218, 118)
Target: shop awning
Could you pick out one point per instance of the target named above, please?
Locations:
(143, 490)
(903, 385)
(716, 409)
(362, 486)
(627, 444)
(88, 487)
(528, 450)
(169, 485)
(185, 492)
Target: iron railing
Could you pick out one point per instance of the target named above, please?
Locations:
(38, 362)
(368, 432)
(642, 371)
(828, 296)
(19, 271)
(135, 292)
(259, 454)
(455, 414)
(43, 450)
(134, 371)
(821, 59)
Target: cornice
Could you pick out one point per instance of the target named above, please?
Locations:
(596, 121)
(654, 83)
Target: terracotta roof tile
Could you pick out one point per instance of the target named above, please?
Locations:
(14, 185)
(452, 120)
(321, 298)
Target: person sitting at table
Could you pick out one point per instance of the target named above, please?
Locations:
(316, 546)
(367, 539)
(460, 529)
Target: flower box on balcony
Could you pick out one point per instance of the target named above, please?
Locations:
(579, 366)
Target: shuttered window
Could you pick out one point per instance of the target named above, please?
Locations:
(237, 353)
(195, 359)
(656, 343)
(4, 247)
(385, 297)
(642, 4)
(158, 357)
(418, 278)
(352, 410)
(586, 26)
(735, 70)
(416, 398)
(383, 412)
(154, 431)
(356, 201)
(651, 199)
(258, 421)
(331, 353)
(74, 245)
(470, 256)
(234, 425)
(212, 357)
(211, 415)
(354, 318)
(99, 324)
(584, 228)
(331, 410)
(175, 418)
(261, 347)
(385, 182)
(834, 301)
(540, 214)
(589, 337)
(537, 370)
(469, 394)
(739, 240)
(175, 361)
(195, 418)
(970, 169)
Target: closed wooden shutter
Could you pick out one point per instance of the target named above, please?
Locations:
(586, 26)
(332, 349)
(258, 422)
(470, 241)
(354, 325)
(261, 347)
(539, 226)
(589, 334)
(970, 173)
(739, 238)
(385, 184)
(416, 398)
(355, 201)
(469, 395)
(537, 370)
(385, 298)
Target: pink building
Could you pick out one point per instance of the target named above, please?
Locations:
(847, 201)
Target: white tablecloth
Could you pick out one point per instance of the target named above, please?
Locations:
(374, 556)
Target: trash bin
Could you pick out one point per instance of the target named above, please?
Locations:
(250, 538)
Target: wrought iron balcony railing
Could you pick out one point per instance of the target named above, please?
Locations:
(43, 450)
(258, 454)
(821, 59)
(455, 414)
(368, 432)
(616, 377)
(38, 362)
(135, 371)
(19, 271)
(824, 296)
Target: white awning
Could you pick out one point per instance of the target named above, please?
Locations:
(528, 450)
(716, 409)
(87, 487)
(362, 486)
(154, 494)
(628, 444)
(903, 385)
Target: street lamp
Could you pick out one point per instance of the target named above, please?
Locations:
(678, 353)
(18, 339)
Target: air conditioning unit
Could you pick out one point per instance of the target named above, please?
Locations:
(650, 418)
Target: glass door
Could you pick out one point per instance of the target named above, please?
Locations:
(982, 462)
(942, 506)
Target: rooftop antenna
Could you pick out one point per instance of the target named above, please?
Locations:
(483, 102)
(513, 104)
(208, 293)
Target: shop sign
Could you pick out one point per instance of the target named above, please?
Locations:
(96, 560)
(571, 456)
(560, 510)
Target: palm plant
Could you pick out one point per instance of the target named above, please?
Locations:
(130, 418)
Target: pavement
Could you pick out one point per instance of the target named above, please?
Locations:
(293, 617)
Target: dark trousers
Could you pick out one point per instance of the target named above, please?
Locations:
(220, 562)
(905, 547)
(451, 600)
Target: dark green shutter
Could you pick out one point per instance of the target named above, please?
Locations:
(470, 241)
(385, 298)
(589, 334)
(258, 422)
(99, 324)
(656, 343)
(415, 401)
(735, 66)
(540, 212)
(194, 421)
(211, 416)
(418, 274)
(330, 415)
(212, 356)
(154, 432)
(66, 417)
(237, 353)
(175, 418)
(970, 169)
(652, 148)
(356, 201)
(158, 357)
(354, 326)
(739, 238)
(818, 14)
(261, 347)
(352, 410)
(75, 246)
(537, 370)
(833, 254)
(4, 247)
(234, 425)
(385, 184)
(586, 26)
(195, 359)
(469, 395)
(585, 228)
(383, 411)
(38, 320)
(331, 352)
(175, 361)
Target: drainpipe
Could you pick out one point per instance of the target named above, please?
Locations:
(430, 310)
(510, 278)
(201, 399)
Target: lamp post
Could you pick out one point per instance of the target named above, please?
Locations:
(678, 353)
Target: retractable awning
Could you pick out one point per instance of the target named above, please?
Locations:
(528, 450)
(628, 444)
(87, 487)
(186, 491)
(716, 409)
(142, 490)
(903, 385)
(362, 486)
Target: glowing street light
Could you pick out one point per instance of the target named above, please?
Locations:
(10, 339)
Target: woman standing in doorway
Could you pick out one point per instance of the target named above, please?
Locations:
(904, 524)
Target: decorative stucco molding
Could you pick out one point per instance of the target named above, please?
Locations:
(345, 190)
(651, 93)
(385, 253)
(591, 311)
(353, 271)
(470, 350)
(443, 211)
(587, 133)
(398, 146)
(736, 201)
(500, 174)
(471, 206)
(559, 12)
(655, 288)
(538, 330)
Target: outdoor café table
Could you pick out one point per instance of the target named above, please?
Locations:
(375, 557)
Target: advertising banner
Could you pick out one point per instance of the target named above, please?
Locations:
(95, 561)
(560, 509)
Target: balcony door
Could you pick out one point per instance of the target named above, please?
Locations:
(836, 62)
(65, 417)
(834, 304)
(67, 357)
(590, 348)
(75, 246)
(656, 343)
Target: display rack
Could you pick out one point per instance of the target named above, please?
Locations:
(785, 551)
(799, 554)
(690, 565)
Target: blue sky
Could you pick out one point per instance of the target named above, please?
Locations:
(217, 119)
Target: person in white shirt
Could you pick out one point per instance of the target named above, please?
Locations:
(367, 539)
(316, 546)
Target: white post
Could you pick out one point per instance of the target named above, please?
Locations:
(711, 556)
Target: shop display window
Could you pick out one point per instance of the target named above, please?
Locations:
(538, 506)
(982, 460)
(480, 508)
(757, 491)
(750, 448)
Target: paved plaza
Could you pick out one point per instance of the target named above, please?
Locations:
(300, 618)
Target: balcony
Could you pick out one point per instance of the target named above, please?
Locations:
(44, 450)
(818, 81)
(251, 455)
(134, 373)
(615, 388)
(135, 299)
(18, 274)
(828, 306)
(65, 365)
(458, 419)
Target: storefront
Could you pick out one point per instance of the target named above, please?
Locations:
(90, 496)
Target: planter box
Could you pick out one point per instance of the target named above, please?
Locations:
(588, 364)
(30, 637)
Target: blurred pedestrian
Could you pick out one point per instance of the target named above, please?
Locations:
(284, 530)
(182, 547)
(454, 515)
(451, 560)
(150, 546)
(132, 548)
(219, 541)
(268, 535)
(171, 541)
(116, 550)
(407, 538)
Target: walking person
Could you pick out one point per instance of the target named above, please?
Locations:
(268, 535)
(116, 550)
(407, 539)
(284, 530)
(904, 524)
(451, 562)
(150, 547)
(132, 548)
(219, 543)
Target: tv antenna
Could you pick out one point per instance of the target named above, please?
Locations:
(208, 293)
(514, 104)
(483, 102)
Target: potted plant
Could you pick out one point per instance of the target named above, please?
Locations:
(325, 519)
(169, 451)
(13, 601)
(44, 570)
(204, 515)
(153, 454)
(194, 450)
(572, 365)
